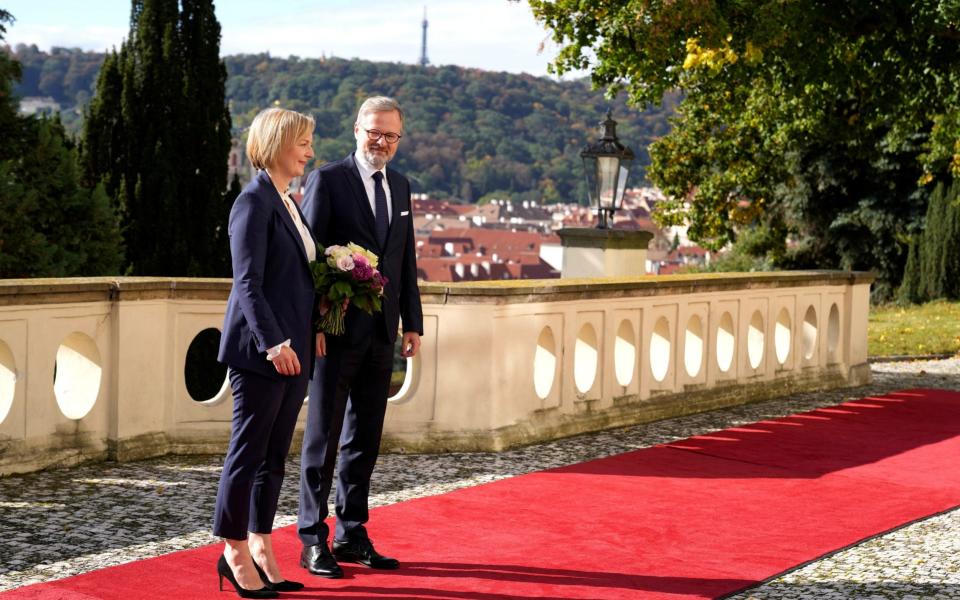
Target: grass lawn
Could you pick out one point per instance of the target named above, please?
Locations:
(932, 328)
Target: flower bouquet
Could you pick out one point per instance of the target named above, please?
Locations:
(348, 275)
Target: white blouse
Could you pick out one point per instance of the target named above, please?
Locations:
(308, 243)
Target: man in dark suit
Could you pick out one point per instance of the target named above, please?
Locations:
(359, 200)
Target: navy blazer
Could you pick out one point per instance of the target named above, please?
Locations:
(272, 298)
(338, 209)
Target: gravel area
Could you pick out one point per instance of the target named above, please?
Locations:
(62, 522)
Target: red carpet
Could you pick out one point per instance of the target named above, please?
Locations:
(700, 518)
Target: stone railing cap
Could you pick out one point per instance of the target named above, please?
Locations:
(91, 289)
(651, 284)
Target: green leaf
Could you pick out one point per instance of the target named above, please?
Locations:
(342, 289)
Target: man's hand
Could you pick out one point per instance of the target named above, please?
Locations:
(410, 345)
(321, 345)
(287, 363)
(324, 305)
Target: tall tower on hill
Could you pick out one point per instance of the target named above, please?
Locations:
(423, 45)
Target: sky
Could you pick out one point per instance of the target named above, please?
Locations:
(496, 35)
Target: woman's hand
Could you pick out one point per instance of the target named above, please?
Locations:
(321, 345)
(287, 363)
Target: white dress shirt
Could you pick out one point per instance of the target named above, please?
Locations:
(366, 176)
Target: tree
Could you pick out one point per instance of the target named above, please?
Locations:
(951, 245)
(50, 224)
(9, 74)
(157, 135)
(933, 270)
(221, 237)
(821, 122)
(909, 292)
(207, 143)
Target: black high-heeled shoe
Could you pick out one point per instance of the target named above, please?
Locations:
(224, 570)
(281, 586)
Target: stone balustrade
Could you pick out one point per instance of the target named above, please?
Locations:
(106, 367)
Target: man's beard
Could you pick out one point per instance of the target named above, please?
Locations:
(377, 161)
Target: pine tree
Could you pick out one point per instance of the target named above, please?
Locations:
(158, 135)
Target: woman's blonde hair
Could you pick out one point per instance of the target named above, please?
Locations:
(273, 130)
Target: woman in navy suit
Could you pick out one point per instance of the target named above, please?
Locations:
(269, 345)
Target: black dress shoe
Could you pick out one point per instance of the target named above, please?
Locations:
(361, 551)
(318, 560)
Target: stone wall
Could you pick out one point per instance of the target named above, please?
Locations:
(95, 368)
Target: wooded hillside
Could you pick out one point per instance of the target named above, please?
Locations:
(469, 133)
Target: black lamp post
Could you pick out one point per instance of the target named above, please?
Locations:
(607, 164)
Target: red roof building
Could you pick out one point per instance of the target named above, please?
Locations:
(483, 254)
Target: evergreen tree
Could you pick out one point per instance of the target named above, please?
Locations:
(950, 246)
(50, 224)
(910, 290)
(103, 145)
(933, 262)
(10, 135)
(931, 246)
(221, 235)
(158, 135)
(207, 144)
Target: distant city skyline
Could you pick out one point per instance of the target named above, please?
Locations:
(495, 35)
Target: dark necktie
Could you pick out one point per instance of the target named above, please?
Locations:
(382, 218)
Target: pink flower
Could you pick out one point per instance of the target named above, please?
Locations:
(345, 263)
(362, 271)
(359, 259)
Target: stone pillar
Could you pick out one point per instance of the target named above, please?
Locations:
(604, 252)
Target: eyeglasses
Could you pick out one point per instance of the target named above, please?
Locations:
(375, 134)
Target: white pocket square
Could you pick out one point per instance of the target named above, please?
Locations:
(405, 213)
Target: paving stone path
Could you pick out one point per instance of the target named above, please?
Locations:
(59, 523)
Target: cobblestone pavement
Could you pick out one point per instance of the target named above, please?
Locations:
(62, 522)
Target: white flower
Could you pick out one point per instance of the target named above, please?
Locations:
(345, 263)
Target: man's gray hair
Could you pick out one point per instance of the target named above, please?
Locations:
(379, 104)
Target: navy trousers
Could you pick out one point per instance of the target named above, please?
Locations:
(348, 401)
(264, 416)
